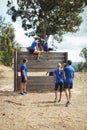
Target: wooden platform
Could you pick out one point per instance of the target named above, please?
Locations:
(38, 83)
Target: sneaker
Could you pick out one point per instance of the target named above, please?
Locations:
(38, 60)
(25, 92)
(55, 100)
(67, 103)
(59, 100)
(21, 93)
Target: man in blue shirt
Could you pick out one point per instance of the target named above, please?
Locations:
(34, 48)
(69, 76)
(58, 79)
(44, 46)
(23, 70)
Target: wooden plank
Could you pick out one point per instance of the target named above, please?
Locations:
(42, 65)
(40, 79)
(39, 84)
(40, 70)
(40, 88)
(43, 53)
(30, 74)
(32, 56)
(50, 55)
(43, 60)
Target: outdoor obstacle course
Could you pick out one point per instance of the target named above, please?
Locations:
(39, 78)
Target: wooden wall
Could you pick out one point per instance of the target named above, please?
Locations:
(41, 82)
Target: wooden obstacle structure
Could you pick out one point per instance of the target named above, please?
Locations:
(38, 79)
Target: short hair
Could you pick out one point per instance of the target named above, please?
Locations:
(36, 37)
(69, 62)
(24, 60)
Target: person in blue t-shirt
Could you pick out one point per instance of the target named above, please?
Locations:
(58, 79)
(23, 70)
(44, 46)
(34, 48)
(69, 77)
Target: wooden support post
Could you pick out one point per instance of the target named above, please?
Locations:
(15, 70)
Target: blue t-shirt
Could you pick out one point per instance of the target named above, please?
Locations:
(59, 75)
(45, 46)
(33, 45)
(69, 72)
(23, 67)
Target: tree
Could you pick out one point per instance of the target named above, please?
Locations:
(82, 66)
(8, 45)
(49, 17)
(83, 54)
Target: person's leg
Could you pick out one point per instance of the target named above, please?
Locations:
(55, 100)
(38, 56)
(56, 87)
(24, 87)
(61, 89)
(66, 93)
(56, 94)
(68, 96)
(60, 96)
(21, 88)
(37, 53)
(69, 91)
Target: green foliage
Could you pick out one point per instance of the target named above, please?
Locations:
(83, 65)
(1, 55)
(80, 66)
(6, 59)
(49, 17)
(83, 54)
(8, 45)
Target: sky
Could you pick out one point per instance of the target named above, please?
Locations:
(72, 43)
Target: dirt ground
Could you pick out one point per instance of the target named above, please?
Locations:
(36, 111)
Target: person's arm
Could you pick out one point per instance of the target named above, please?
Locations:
(73, 76)
(37, 47)
(23, 73)
(42, 49)
(64, 76)
(54, 75)
(73, 73)
(46, 45)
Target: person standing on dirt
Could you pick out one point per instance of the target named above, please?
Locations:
(23, 70)
(68, 84)
(58, 79)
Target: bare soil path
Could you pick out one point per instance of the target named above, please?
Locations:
(36, 111)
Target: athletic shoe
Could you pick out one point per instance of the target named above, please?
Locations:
(22, 93)
(67, 103)
(38, 60)
(25, 92)
(59, 100)
(55, 100)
